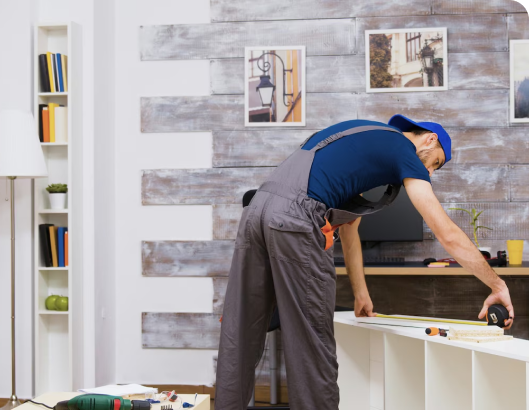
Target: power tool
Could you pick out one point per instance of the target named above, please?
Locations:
(99, 402)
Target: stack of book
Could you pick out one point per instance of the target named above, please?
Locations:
(54, 245)
(53, 70)
(53, 123)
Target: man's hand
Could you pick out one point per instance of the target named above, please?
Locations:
(363, 305)
(502, 297)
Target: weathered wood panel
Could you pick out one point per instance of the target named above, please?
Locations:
(248, 10)
(255, 148)
(461, 108)
(490, 145)
(476, 33)
(519, 181)
(200, 186)
(472, 183)
(225, 112)
(483, 71)
(508, 219)
(180, 330)
(226, 221)
(219, 292)
(186, 258)
(227, 40)
(475, 7)
(325, 74)
(455, 108)
(518, 26)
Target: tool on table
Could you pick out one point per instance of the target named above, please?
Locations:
(500, 260)
(433, 331)
(99, 402)
(496, 315)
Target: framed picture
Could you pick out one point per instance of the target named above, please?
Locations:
(399, 60)
(519, 80)
(274, 80)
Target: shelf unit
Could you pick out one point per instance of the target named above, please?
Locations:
(399, 368)
(54, 340)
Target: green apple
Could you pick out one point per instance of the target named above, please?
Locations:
(61, 303)
(50, 302)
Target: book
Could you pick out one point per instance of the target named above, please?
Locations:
(60, 236)
(53, 246)
(46, 125)
(41, 124)
(59, 71)
(54, 74)
(61, 124)
(44, 75)
(66, 248)
(65, 71)
(50, 72)
(51, 109)
(44, 239)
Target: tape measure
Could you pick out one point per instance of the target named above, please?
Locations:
(496, 316)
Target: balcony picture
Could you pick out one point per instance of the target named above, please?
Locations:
(519, 80)
(400, 60)
(274, 86)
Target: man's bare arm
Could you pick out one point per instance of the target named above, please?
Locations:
(457, 243)
(352, 251)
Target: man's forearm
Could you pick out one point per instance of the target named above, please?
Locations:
(466, 253)
(352, 250)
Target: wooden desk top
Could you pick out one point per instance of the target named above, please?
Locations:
(417, 268)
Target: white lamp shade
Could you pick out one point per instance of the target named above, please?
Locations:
(20, 151)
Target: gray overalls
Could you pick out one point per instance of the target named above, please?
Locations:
(284, 255)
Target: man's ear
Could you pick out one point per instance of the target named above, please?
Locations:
(431, 139)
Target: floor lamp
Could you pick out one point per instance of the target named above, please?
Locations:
(20, 157)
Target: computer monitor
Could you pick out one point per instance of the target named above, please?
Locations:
(399, 222)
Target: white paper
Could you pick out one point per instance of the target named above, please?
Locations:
(123, 390)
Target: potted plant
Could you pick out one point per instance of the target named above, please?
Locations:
(57, 195)
(474, 215)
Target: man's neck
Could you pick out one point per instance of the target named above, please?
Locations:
(412, 138)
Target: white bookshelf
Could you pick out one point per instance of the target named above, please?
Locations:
(401, 368)
(54, 339)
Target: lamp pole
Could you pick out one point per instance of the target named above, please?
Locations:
(265, 68)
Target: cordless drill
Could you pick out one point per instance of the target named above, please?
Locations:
(101, 402)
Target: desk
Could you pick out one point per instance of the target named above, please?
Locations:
(51, 399)
(399, 368)
(417, 268)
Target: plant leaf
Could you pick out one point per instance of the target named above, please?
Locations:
(461, 209)
(490, 229)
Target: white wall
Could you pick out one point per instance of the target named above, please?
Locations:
(16, 90)
(136, 151)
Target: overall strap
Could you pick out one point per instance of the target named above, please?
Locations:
(351, 131)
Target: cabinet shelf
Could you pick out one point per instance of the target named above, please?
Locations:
(53, 211)
(52, 312)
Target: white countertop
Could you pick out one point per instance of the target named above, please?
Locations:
(517, 349)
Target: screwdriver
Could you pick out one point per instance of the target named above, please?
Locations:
(432, 331)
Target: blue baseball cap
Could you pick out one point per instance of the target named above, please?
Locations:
(404, 124)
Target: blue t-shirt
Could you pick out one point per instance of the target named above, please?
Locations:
(359, 162)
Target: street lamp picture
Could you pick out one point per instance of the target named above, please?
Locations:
(402, 60)
(275, 86)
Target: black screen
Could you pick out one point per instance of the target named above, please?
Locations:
(398, 222)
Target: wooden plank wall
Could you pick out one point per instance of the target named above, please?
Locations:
(489, 169)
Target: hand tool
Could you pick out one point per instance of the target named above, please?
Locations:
(433, 331)
(496, 315)
(99, 402)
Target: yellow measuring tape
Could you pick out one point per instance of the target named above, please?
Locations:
(461, 322)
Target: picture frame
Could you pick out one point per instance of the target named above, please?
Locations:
(406, 60)
(519, 81)
(274, 86)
